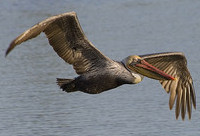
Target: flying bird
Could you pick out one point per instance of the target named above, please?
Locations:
(98, 73)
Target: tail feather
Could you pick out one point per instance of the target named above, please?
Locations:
(67, 85)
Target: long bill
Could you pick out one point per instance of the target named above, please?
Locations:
(146, 69)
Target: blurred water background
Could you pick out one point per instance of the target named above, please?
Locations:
(31, 104)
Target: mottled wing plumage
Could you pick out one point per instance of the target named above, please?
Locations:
(181, 89)
(68, 40)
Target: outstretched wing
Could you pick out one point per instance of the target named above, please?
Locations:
(68, 40)
(181, 89)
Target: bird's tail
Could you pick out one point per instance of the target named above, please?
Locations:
(67, 85)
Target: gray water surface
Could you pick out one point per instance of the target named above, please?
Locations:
(31, 104)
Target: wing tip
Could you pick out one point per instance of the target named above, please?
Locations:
(7, 52)
(9, 49)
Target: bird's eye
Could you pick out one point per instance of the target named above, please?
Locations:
(135, 60)
(138, 60)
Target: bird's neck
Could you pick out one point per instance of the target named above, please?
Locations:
(137, 77)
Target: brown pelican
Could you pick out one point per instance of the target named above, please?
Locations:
(98, 73)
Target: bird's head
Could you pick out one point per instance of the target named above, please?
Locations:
(137, 65)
